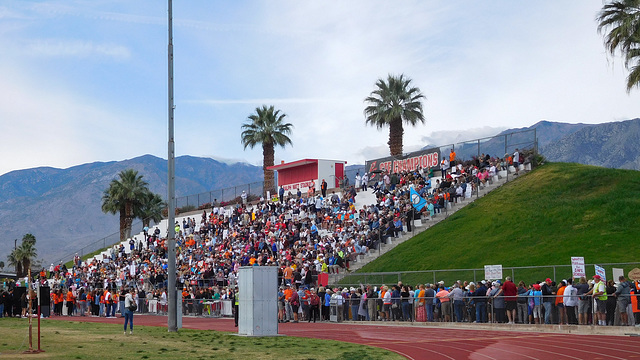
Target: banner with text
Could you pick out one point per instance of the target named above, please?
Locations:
(493, 272)
(577, 267)
(424, 158)
(600, 271)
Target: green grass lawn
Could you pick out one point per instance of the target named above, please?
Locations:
(83, 340)
(545, 217)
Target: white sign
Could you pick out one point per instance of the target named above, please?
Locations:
(300, 185)
(616, 274)
(577, 267)
(493, 272)
(600, 271)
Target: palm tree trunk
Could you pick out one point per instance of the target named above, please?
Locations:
(26, 264)
(267, 161)
(123, 225)
(395, 137)
(19, 272)
(128, 219)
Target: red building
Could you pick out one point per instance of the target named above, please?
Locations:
(306, 173)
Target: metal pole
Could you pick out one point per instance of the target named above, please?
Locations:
(30, 312)
(172, 321)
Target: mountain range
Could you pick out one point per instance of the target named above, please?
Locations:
(613, 145)
(62, 207)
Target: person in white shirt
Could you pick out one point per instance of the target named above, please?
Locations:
(570, 301)
(163, 301)
(129, 308)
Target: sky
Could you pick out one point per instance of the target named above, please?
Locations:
(86, 81)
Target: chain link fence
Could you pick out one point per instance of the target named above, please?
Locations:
(229, 195)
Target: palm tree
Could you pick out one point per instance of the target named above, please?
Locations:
(26, 253)
(151, 209)
(392, 103)
(20, 258)
(30, 238)
(621, 18)
(266, 127)
(126, 197)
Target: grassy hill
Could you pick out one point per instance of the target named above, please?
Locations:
(558, 211)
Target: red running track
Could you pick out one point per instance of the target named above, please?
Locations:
(432, 342)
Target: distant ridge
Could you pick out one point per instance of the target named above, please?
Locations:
(612, 145)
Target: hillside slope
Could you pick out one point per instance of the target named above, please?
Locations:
(543, 218)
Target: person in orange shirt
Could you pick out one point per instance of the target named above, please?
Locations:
(562, 312)
(70, 302)
(287, 274)
(452, 158)
(58, 300)
(102, 302)
(635, 301)
(445, 304)
(288, 310)
(90, 302)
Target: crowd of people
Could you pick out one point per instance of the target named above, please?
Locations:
(304, 235)
(545, 302)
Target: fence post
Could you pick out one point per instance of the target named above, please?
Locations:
(513, 277)
(554, 273)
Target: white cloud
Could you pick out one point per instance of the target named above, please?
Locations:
(270, 101)
(228, 161)
(446, 137)
(77, 48)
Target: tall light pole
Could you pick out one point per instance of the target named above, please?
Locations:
(172, 322)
